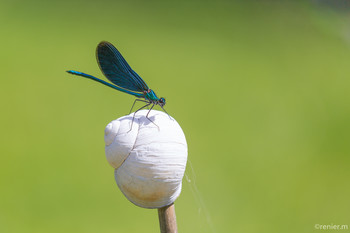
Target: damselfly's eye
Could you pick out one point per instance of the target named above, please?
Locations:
(161, 101)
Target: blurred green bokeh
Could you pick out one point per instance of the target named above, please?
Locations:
(261, 89)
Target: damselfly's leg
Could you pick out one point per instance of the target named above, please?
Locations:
(166, 112)
(133, 117)
(135, 102)
(150, 119)
(149, 112)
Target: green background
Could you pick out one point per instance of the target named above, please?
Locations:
(261, 90)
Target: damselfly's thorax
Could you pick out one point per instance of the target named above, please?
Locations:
(151, 96)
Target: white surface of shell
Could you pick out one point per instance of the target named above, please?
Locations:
(149, 158)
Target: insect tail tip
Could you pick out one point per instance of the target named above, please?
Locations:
(72, 72)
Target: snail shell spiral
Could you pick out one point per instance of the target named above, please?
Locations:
(149, 160)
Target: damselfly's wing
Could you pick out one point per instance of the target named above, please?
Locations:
(117, 70)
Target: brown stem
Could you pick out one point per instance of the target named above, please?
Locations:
(167, 219)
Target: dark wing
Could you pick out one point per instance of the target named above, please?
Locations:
(117, 70)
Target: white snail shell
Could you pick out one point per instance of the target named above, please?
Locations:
(149, 158)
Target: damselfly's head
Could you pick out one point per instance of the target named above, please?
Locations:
(161, 102)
